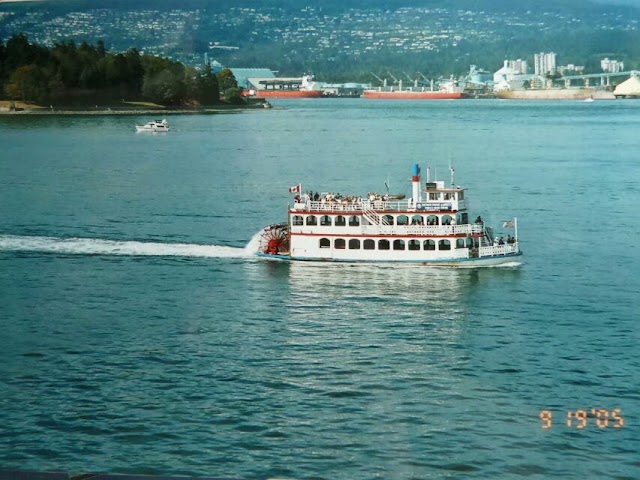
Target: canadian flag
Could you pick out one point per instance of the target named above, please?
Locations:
(295, 189)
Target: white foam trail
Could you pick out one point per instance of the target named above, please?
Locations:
(253, 245)
(94, 246)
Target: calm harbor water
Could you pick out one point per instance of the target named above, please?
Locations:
(140, 336)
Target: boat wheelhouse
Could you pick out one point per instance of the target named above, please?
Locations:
(432, 227)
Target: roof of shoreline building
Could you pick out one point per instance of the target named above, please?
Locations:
(243, 74)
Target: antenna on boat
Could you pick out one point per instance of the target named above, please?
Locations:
(451, 170)
(428, 173)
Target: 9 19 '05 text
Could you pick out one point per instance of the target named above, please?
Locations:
(601, 418)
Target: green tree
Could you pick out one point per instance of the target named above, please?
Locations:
(163, 87)
(207, 88)
(135, 70)
(56, 88)
(27, 83)
(226, 80)
(233, 96)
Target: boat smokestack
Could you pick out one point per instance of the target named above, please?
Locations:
(415, 180)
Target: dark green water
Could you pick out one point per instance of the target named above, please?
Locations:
(139, 335)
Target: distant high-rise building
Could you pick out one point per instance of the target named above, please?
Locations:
(611, 66)
(517, 67)
(544, 63)
(570, 69)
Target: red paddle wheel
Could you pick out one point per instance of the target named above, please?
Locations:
(275, 239)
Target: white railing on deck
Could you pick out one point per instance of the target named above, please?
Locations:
(436, 230)
(378, 205)
(495, 250)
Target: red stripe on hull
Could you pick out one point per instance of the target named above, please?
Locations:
(405, 95)
(284, 94)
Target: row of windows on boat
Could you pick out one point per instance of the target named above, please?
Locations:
(369, 244)
(354, 221)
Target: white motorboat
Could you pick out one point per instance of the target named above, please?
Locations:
(154, 126)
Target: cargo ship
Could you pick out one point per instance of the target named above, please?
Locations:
(578, 93)
(449, 90)
(286, 88)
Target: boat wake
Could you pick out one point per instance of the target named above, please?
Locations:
(95, 246)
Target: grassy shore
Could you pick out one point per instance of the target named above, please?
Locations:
(124, 108)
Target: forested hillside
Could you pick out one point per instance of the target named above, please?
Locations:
(340, 40)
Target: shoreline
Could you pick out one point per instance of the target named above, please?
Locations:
(223, 108)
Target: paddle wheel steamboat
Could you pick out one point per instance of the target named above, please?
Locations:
(433, 227)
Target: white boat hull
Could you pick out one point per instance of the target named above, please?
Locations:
(492, 261)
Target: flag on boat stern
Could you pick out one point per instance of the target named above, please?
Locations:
(508, 224)
(295, 189)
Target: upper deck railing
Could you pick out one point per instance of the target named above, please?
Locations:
(435, 230)
(379, 206)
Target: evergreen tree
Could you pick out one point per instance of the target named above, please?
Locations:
(226, 80)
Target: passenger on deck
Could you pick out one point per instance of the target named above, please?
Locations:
(479, 220)
(501, 241)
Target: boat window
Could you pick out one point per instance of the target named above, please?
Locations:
(312, 220)
(429, 245)
(432, 220)
(446, 220)
(387, 220)
(461, 195)
(354, 244)
(414, 244)
(450, 196)
(325, 220)
(434, 196)
(417, 220)
(369, 244)
(325, 243)
(444, 245)
(339, 243)
(403, 220)
(340, 221)
(464, 219)
(383, 244)
(398, 244)
(460, 243)
(354, 221)
(297, 220)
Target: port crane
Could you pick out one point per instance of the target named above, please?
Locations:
(395, 80)
(415, 81)
(383, 82)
